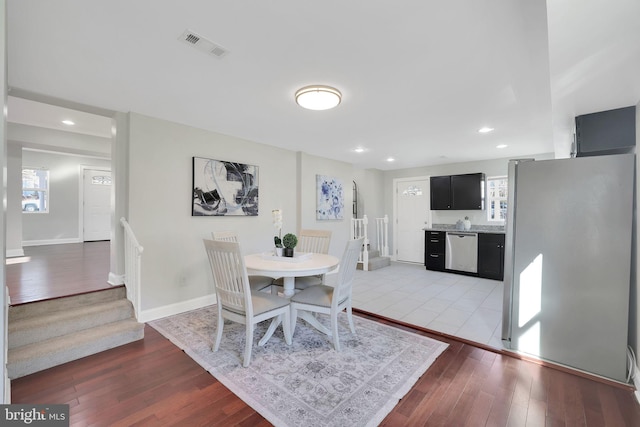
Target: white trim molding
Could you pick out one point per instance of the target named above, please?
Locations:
(177, 308)
(50, 242)
(115, 279)
(12, 253)
(636, 381)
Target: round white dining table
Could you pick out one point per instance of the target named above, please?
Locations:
(310, 264)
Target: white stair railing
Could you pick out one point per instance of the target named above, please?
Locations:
(382, 235)
(358, 230)
(132, 266)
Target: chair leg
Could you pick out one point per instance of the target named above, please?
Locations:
(272, 328)
(286, 326)
(216, 345)
(293, 318)
(350, 319)
(334, 330)
(248, 344)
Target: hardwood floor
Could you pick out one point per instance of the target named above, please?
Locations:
(54, 271)
(153, 383)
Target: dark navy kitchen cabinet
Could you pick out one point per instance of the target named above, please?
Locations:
(491, 255)
(457, 192)
(434, 242)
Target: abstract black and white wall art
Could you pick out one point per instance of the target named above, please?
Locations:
(330, 193)
(223, 188)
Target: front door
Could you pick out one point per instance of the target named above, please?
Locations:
(97, 205)
(412, 216)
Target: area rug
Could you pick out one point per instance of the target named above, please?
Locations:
(308, 383)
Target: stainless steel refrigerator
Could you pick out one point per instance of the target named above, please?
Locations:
(567, 261)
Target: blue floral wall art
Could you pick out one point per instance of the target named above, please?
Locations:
(223, 188)
(330, 193)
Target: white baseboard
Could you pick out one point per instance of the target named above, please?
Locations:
(50, 242)
(115, 279)
(12, 253)
(181, 307)
(636, 382)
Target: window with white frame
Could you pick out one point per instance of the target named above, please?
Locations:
(497, 198)
(35, 190)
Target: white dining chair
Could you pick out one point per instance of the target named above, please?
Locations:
(314, 241)
(330, 300)
(257, 283)
(235, 300)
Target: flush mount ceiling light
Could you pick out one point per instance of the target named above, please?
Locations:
(68, 122)
(502, 146)
(318, 97)
(485, 130)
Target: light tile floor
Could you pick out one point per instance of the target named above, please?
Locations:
(463, 306)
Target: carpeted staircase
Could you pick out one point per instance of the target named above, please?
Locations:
(49, 333)
(376, 261)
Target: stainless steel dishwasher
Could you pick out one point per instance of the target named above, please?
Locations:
(461, 252)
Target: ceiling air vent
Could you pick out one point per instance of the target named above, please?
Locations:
(202, 44)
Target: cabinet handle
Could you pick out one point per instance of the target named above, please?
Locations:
(434, 256)
(434, 241)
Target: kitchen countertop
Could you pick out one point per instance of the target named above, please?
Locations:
(498, 229)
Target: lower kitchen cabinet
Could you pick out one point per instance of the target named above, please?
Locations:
(491, 255)
(434, 242)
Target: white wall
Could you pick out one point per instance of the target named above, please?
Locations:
(14, 192)
(175, 269)
(61, 224)
(56, 140)
(5, 387)
(371, 200)
(308, 167)
(634, 298)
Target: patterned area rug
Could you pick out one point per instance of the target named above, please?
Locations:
(308, 383)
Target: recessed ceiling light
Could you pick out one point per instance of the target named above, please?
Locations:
(359, 150)
(68, 122)
(485, 130)
(502, 146)
(391, 159)
(318, 97)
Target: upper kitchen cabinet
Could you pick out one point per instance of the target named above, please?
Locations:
(458, 192)
(440, 192)
(606, 132)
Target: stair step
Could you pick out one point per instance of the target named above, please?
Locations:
(376, 263)
(31, 329)
(40, 308)
(42, 355)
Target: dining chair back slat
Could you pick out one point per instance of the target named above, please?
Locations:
(347, 271)
(316, 241)
(229, 274)
(256, 283)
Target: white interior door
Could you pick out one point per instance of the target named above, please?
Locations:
(412, 216)
(97, 205)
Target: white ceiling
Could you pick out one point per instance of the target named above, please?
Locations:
(418, 77)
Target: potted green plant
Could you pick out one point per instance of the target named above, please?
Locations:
(289, 241)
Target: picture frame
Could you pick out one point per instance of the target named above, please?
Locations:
(224, 188)
(330, 198)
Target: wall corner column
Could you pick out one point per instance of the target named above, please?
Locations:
(119, 194)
